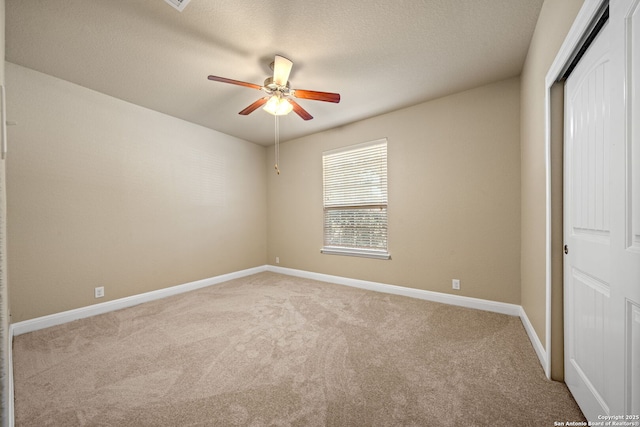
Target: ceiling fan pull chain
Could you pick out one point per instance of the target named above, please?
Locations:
(277, 153)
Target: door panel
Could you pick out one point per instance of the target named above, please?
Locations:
(602, 220)
(587, 228)
(591, 311)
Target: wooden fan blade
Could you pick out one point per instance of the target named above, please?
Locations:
(253, 107)
(281, 70)
(234, 82)
(300, 111)
(317, 96)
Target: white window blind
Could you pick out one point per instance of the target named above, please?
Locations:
(355, 200)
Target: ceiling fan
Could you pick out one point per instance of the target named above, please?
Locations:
(279, 100)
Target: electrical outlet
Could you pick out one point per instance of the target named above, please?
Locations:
(455, 283)
(277, 260)
(99, 292)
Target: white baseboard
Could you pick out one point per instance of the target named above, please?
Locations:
(535, 341)
(480, 304)
(80, 313)
(105, 307)
(92, 310)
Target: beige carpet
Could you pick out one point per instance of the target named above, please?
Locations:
(274, 350)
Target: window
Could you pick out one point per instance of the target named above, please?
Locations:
(355, 200)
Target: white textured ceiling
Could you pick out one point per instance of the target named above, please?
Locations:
(379, 55)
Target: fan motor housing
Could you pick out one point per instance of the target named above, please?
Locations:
(271, 85)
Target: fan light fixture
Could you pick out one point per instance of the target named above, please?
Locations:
(279, 93)
(279, 100)
(278, 106)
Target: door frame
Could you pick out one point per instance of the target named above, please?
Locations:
(580, 28)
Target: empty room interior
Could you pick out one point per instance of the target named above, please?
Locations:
(176, 249)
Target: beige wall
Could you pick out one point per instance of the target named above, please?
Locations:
(461, 205)
(105, 193)
(454, 196)
(553, 25)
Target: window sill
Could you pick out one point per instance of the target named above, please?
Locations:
(364, 253)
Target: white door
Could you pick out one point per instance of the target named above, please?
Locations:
(602, 222)
(587, 228)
